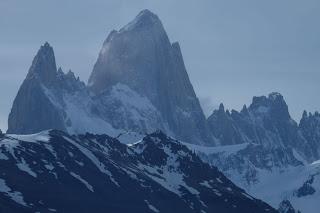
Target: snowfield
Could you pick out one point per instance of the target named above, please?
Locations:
(298, 184)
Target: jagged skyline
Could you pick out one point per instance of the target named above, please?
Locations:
(285, 62)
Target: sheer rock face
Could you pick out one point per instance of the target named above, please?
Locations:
(32, 110)
(141, 57)
(44, 66)
(310, 129)
(224, 128)
(266, 122)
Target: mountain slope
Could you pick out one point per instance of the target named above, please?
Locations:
(253, 168)
(96, 173)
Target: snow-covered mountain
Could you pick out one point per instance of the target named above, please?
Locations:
(139, 84)
(267, 153)
(266, 122)
(54, 172)
(253, 168)
(269, 129)
(269, 137)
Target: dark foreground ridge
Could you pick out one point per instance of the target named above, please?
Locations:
(54, 172)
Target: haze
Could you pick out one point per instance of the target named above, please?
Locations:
(233, 50)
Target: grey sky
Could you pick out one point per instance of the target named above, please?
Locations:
(233, 49)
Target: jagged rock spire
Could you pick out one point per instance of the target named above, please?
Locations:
(221, 107)
(32, 111)
(244, 109)
(44, 65)
(304, 114)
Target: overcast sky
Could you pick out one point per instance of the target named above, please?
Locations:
(233, 49)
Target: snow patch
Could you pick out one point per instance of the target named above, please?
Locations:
(3, 156)
(82, 121)
(151, 207)
(14, 195)
(298, 157)
(227, 150)
(82, 181)
(130, 137)
(93, 159)
(206, 184)
(262, 110)
(32, 138)
(135, 109)
(23, 166)
(170, 176)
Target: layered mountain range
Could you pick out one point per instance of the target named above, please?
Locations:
(139, 85)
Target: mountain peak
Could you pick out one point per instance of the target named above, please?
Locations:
(275, 96)
(144, 19)
(147, 14)
(244, 109)
(272, 99)
(47, 45)
(46, 50)
(44, 64)
(221, 107)
(274, 105)
(304, 114)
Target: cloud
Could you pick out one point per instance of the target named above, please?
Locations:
(208, 105)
